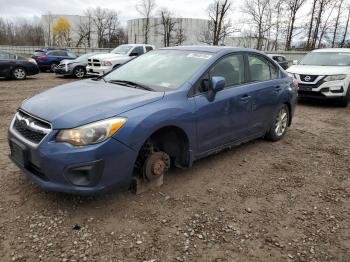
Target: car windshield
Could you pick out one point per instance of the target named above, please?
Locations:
(161, 70)
(122, 50)
(326, 59)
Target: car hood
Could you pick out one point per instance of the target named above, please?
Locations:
(109, 56)
(86, 101)
(318, 70)
(70, 62)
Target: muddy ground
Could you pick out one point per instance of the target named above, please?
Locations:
(262, 201)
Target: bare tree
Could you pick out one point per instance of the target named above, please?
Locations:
(106, 23)
(322, 7)
(346, 29)
(180, 36)
(324, 26)
(48, 23)
(168, 24)
(312, 18)
(21, 32)
(337, 21)
(293, 7)
(85, 30)
(112, 27)
(219, 24)
(259, 13)
(146, 8)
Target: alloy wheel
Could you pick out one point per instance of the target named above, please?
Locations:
(19, 73)
(281, 122)
(79, 72)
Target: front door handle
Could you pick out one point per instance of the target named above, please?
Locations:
(245, 98)
(277, 88)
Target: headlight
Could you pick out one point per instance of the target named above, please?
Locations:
(92, 133)
(107, 63)
(335, 78)
(292, 75)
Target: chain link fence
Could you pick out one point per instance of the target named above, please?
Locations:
(28, 50)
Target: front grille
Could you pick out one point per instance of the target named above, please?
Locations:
(94, 62)
(308, 78)
(61, 66)
(30, 128)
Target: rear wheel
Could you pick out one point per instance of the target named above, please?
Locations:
(79, 72)
(53, 67)
(279, 126)
(19, 73)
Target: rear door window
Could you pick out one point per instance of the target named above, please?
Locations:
(149, 48)
(39, 53)
(138, 50)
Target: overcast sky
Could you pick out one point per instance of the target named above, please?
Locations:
(126, 8)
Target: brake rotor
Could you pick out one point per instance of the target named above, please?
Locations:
(156, 165)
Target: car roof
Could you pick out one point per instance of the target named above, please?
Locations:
(136, 45)
(212, 49)
(271, 55)
(332, 50)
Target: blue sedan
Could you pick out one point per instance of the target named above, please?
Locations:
(167, 107)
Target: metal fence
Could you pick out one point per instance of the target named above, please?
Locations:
(28, 50)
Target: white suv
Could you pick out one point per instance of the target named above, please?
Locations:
(324, 73)
(103, 63)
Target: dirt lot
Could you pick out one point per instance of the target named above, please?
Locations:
(284, 201)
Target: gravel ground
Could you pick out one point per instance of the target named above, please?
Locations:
(262, 201)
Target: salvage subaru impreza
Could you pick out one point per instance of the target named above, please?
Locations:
(168, 107)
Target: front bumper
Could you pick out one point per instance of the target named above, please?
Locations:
(63, 71)
(57, 166)
(325, 90)
(98, 71)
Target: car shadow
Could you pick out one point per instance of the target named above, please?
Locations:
(332, 103)
(13, 80)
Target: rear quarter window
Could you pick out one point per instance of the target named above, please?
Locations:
(39, 53)
(149, 48)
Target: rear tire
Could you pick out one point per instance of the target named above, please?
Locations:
(280, 124)
(19, 73)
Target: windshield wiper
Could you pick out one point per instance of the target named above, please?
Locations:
(131, 84)
(99, 78)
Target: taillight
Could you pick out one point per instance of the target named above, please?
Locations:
(42, 57)
(32, 61)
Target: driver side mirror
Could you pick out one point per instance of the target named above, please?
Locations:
(134, 54)
(217, 84)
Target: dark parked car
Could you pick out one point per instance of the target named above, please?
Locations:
(167, 107)
(76, 67)
(281, 60)
(48, 59)
(16, 67)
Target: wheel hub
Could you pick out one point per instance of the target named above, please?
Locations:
(156, 165)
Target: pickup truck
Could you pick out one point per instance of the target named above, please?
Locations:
(103, 63)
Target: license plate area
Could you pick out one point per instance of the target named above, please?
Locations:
(305, 88)
(19, 153)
